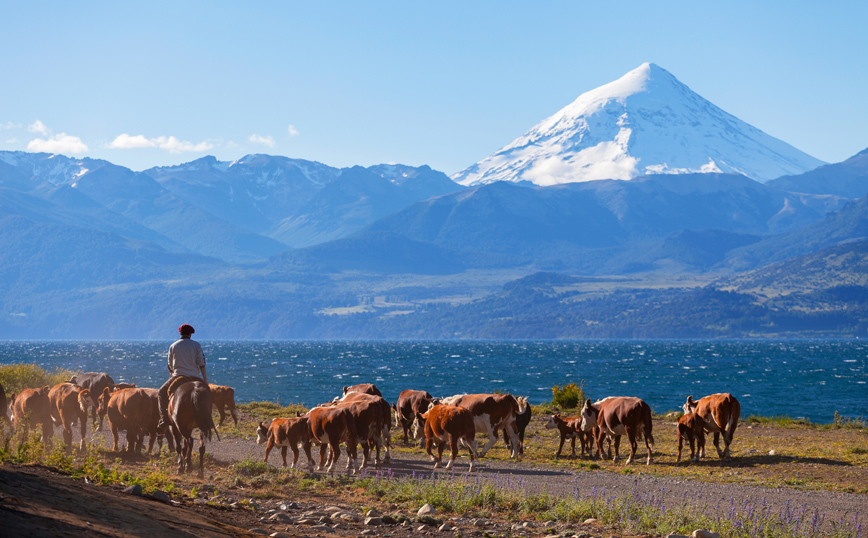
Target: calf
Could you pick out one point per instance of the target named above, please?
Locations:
(691, 428)
(570, 428)
(286, 433)
(329, 427)
(616, 417)
(130, 410)
(411, 402)
(224, 397)
(32, 407)
(719, 414)
(447, 423)
(69, 403)
(491, 412)
(521, 422)
(96, 383)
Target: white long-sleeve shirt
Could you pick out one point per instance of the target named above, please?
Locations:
(186, 357)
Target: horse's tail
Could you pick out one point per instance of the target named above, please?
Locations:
(202, 404)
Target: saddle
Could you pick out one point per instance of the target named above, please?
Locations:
(181, 380)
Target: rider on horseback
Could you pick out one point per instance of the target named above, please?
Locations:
(186, 358)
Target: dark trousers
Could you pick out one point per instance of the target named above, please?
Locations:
(163, 396)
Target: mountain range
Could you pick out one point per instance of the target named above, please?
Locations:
(274, 247)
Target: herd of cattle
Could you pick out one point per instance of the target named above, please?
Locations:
(361, 416)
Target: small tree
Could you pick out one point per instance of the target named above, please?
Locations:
(568, 396)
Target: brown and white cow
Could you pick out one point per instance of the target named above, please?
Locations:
(286, 433)
(490, 413)
(617, 416)
(446, 423)
(691, 428)
(720, 414)
(130, 410)
(329, 427)
(380, 435)
(69, 403)
(224, 397)
(571, 428)
(410, 402)
(364, 388)
(31, 407)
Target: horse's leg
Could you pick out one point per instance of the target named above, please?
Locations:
(201, 455)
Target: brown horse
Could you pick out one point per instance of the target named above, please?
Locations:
(190, 405)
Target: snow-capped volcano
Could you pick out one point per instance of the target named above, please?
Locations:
(646, 122)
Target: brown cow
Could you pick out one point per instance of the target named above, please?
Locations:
(384, 437)
(224, 397)
(617, 416)
(155, 433)
(329, 427)
(490, 413)
(69, 403)
(130, 410)
(411, 402)
(32, 407)
(571, 428)
(691, 428)
(365, 388)
(447, 423)
(286, 433)
(720, 414)
(190, 406)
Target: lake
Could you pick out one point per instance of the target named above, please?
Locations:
(800, 378)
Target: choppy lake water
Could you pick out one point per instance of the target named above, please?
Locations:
(810, 378)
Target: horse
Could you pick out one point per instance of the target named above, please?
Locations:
(190, 405)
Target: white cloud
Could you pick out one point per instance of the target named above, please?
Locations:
(61, 143)
(264, 140)
(292, 130)
(39, 127)
(10, 125)
(180, 146)
(169, 143)
(125, 141)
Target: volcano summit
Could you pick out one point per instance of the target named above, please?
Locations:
(646, 122)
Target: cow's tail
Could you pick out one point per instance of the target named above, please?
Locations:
(647, 423)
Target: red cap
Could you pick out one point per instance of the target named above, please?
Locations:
(186, 329)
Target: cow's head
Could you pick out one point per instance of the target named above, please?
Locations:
(261, 434)
(103, 401)
(419, 426)
(552, 424)
(589, 416)
(73, 380)
(85, 401)
(690, 405)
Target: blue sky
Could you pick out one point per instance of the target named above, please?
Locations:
(437, 83)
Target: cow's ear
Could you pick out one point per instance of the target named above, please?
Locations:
(588, 403)
(46, 388)
(345, 389)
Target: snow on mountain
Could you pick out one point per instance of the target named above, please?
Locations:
(55, 169)
(647, 122)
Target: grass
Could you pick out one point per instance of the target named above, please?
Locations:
(16, 377)
(633, 512)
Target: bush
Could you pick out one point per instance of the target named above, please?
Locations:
(16, 377)
(568, 396)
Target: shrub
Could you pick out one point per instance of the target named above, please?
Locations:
(568, 396)
(15, 377)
